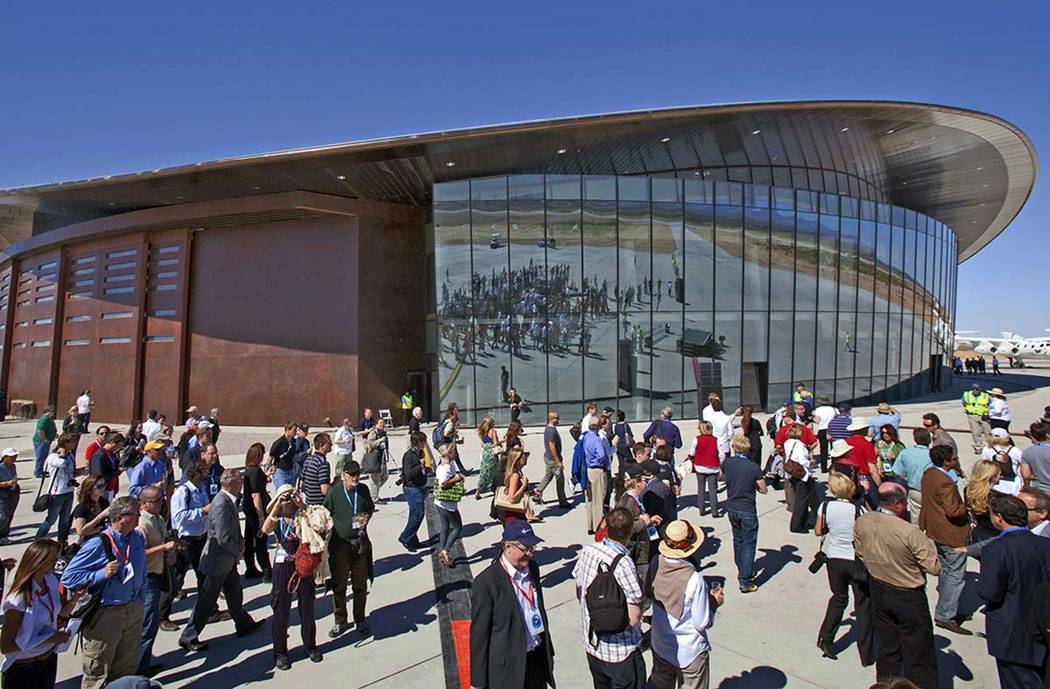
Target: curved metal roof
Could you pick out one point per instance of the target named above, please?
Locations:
(968, 169)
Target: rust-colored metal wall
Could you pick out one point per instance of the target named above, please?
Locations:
(291, 306)
(274, 320)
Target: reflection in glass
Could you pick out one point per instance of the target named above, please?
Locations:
(636, 292)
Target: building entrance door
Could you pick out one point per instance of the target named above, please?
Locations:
(753, 376)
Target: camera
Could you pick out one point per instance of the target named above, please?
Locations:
(818, 561)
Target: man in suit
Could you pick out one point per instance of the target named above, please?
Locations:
(944, 518)
(219, 565)
(510, 647)
(1012, 567)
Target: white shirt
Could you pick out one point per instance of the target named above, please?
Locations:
(343, 441)
(997, 409)
(151, 429)
(1003, 486)
(839, 516)
(681, 641)
(823, 415)
(61, 473)
(39, 620)
(1040, 528)
(83, 404)
(445, 472)
(723, 428)
(795, 449)
(523, 581)
(586, 421)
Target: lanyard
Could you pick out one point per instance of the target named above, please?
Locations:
(45, 600)
(116, 551)
(528, 595)
(353, 501)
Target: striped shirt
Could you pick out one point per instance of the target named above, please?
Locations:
(838, 425)
(611, 648)
(316, 472)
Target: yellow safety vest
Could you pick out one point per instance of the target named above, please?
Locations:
(406, 401)
(976, 405)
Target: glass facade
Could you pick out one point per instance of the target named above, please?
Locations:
(637, 292)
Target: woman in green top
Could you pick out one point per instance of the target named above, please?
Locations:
(888, 448)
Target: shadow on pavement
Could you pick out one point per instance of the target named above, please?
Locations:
(760, 677)
(950, 664)
(772, 561)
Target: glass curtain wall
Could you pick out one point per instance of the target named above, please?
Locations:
(638, 292)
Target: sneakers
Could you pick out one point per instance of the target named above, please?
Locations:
(338, 630)
(750, 588)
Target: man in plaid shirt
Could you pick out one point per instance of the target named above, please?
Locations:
(614, 659)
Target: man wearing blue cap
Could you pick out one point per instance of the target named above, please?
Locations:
(510, 646)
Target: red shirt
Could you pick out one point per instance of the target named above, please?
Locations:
(808, 438)
(91, 450)
(862, 456)
(706, 454)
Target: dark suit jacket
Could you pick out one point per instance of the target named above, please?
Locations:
(943, 515)
(225, 542)
(1041, 618)
(1012, 567)
(497, 631)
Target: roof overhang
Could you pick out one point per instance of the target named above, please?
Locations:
(968, 169)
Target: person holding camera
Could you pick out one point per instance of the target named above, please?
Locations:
(280, 520)
(349, 550)
(835, 519)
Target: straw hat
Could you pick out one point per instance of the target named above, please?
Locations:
(997, 392)
(840, 448)
(283, 490)
(884, 408)
(681, 539)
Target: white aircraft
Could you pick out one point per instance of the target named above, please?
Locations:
(1017, 349)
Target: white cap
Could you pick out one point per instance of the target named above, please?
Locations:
(996, 433)
(859, 424)
(193, 408)
(204, 425)
(9, 452)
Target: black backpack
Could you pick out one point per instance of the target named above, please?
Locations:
(437, 436)
(606, 602)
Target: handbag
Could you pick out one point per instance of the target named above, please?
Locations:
(793, 468)
(502, 502)
(42, 503)
(453, 493)
(372, 462)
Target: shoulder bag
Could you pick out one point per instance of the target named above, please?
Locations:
(42, 503)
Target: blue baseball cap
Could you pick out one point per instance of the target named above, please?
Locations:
(521, 531)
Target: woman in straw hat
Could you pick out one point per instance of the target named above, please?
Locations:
(683, 610)
(998, 410)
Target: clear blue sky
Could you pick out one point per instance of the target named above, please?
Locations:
(99, 88)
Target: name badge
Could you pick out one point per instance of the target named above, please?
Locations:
(536, 623)
(129, 572)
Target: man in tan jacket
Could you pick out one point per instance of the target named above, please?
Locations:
(898, 557)
(945, 520)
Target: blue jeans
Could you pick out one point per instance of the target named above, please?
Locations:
(415, 498)
(61, 509)
(150, 620)
(950, 583)
(284, 477)
(745, 538)
(42, 448)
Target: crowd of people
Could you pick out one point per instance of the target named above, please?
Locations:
(138, 511)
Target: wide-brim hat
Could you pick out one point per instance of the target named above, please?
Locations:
(681, 539)
(884, 408)
(193, 408)
(859, 423)
(283, 490)
(153, 445)
(840, 448)
(997, 392)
